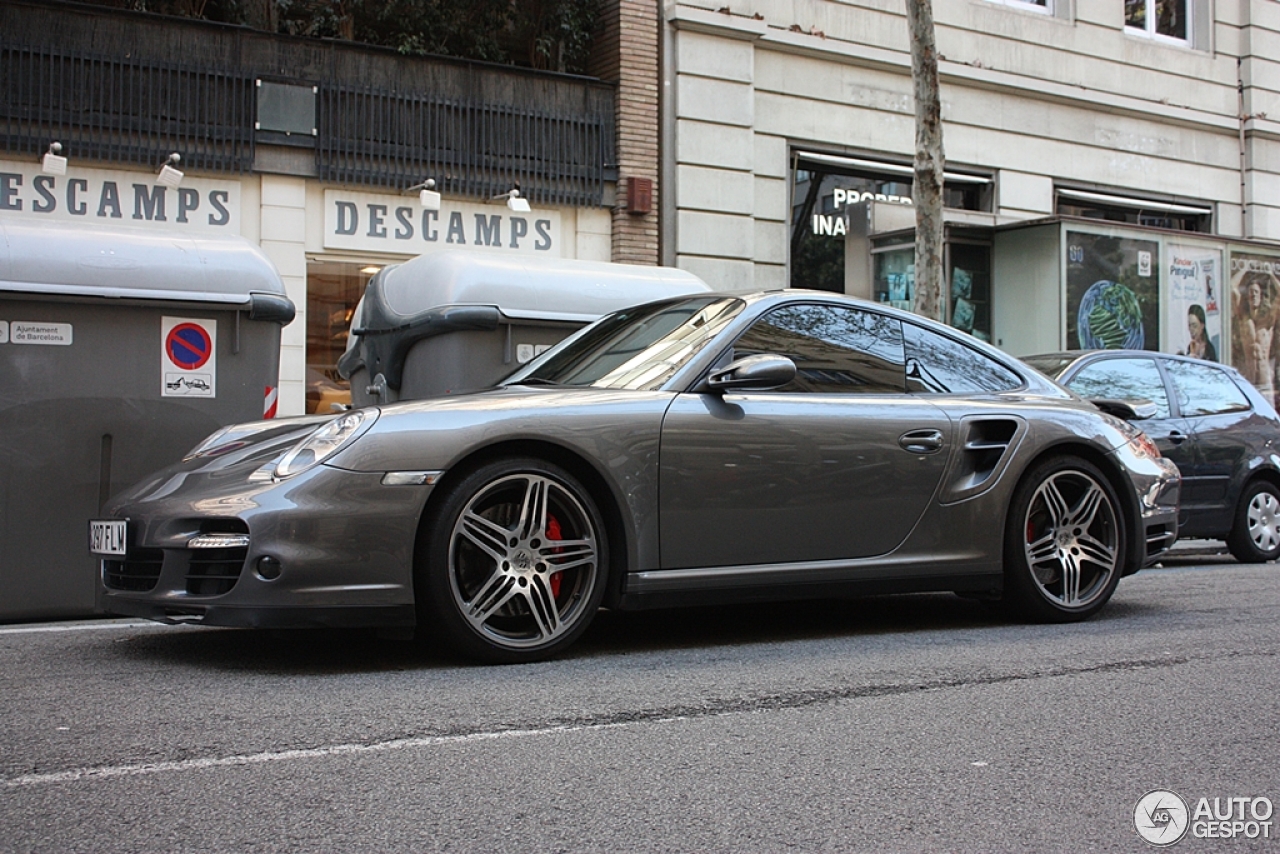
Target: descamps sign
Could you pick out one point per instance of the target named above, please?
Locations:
(370, 222)
(119, 198)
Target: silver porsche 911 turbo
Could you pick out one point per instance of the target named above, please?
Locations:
(705, 449)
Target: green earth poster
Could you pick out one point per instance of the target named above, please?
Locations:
(1113, 292)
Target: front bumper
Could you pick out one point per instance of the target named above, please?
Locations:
(328, 547)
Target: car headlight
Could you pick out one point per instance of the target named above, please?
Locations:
(325, 441)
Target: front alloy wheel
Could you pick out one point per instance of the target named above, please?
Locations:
(1064, 552)
(516, 562)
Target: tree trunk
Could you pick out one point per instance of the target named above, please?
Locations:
(927, 189)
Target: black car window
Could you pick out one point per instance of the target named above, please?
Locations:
(1204, 390)
(1123, 379)
(836, 349)
(940, 365)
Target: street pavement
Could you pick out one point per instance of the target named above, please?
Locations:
(911, 723)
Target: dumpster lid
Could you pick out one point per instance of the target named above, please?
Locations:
(81, 260)
(526, 287)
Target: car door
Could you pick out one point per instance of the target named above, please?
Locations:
(839, 463)
(1220, 417)
(1135, 378)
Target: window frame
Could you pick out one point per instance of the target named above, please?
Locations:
(1043, 7)
(1148, 30)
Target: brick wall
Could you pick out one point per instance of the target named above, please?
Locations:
(626, 52)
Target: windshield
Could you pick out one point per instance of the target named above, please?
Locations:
(637, 348)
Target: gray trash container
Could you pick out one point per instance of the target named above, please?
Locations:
(119, 351)
(458, 320)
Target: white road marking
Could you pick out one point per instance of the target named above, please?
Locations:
(82, 627)
(141, 769)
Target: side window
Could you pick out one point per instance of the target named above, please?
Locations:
(939, 365)
(1123, 379)
(837, 350)
(1203, 390)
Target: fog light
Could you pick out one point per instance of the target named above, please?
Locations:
(269, 568)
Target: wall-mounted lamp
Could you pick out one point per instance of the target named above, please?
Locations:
(169, 175)
(427, 195)
(514, 200)
(53, 162)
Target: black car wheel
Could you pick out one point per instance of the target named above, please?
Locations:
(1255, 535)
(513, 565)
(1065, 542)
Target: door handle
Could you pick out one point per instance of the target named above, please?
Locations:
(1177, 438)
(921, 441)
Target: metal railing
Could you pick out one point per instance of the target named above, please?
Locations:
(390, 139)
(560, 147)
(125, 110)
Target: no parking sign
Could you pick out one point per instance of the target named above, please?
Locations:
(188, 357)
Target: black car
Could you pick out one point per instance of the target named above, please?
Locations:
(1222, 434)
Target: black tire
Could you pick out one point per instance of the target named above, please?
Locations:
(513, 565)
(1255, 534)
(1065, 542)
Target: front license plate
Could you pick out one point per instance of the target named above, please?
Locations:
(107, 538)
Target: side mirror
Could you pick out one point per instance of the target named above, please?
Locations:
(760, 373)
(1129, 410)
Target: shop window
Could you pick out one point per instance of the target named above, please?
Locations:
(967, 302)
(1135, 211)
(333, 289)
(969, 276)
(826, 186)
(1163, 18)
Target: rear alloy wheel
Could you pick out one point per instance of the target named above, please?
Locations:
(1064, 550)
(515, 562)
(1255, 536)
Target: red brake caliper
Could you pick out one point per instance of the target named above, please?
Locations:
(553, 533)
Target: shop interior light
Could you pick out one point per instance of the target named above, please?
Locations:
(169, 175)
(427, 195)
(53, 162)
(370, 270)
(514, 200)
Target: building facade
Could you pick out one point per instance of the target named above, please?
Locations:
(314, 150)
(1110, 164)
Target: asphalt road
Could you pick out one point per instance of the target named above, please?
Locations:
(915, 723)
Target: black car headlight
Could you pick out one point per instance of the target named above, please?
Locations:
(325, 441)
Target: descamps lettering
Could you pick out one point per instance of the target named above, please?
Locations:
(145, 202)
(407, 224)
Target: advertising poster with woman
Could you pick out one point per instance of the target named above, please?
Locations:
(1193, 305)
(1255, 310)
(1113, 292)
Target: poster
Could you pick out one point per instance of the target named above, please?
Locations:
(1193, 303)
(1113, 292)
(1255, 307)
